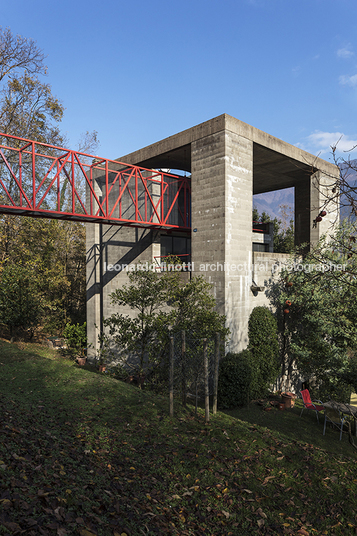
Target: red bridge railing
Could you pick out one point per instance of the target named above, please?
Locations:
(42, 180)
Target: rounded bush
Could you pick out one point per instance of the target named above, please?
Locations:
(264, 345)
(236, 383)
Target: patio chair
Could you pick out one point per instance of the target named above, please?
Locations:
(335, 417)
(309, 404)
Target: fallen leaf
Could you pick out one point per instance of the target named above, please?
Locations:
(6, 503)
(85, 532)
(266, 479)
(14, 527)
(19, 457)
(261, 513)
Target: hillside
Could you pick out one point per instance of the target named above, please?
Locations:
(82, 453)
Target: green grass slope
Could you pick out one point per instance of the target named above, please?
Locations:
(84, 454)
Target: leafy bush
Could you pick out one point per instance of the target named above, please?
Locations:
(76, 336)
(161, 304)
(331, 388)
(237, 379)
(264, 345)
(20, 302)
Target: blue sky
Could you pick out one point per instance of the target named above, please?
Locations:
(140, 71)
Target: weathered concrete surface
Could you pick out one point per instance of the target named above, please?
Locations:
(229, 161)
(277, 164)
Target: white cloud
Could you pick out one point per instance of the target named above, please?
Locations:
(345, 52)
(348, 80)
(322, 142)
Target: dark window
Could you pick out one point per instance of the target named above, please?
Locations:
(176, 245)
(258, 246)
(166, 245)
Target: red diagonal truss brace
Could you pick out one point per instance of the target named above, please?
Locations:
(42, 180)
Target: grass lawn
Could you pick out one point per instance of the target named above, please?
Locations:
(84, 454)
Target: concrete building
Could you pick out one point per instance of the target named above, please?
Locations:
(229, 161)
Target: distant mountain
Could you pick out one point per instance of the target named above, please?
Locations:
(270, 202)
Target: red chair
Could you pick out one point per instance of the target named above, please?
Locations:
(309, 404)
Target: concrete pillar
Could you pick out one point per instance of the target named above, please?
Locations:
(93, 287)
(222, 203)
(311, 196)
(320, 196)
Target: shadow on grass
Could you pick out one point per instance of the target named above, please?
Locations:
(289, 425)
(89, 454)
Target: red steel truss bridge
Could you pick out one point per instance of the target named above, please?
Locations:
(45, 181)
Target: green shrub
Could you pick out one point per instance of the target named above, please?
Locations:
(331, 388)
(236, 383)
(20, 300)
(76, 336)
(264, 345)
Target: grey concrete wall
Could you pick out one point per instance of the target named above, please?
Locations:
(121, 246)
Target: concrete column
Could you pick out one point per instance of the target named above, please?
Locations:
(208, 210)
(238, 208)
(222, 202)
(320, 196)
(93, 287)
(311, 196)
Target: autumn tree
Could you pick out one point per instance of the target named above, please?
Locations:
(19, 54)
(27, 107)
(52, 253)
